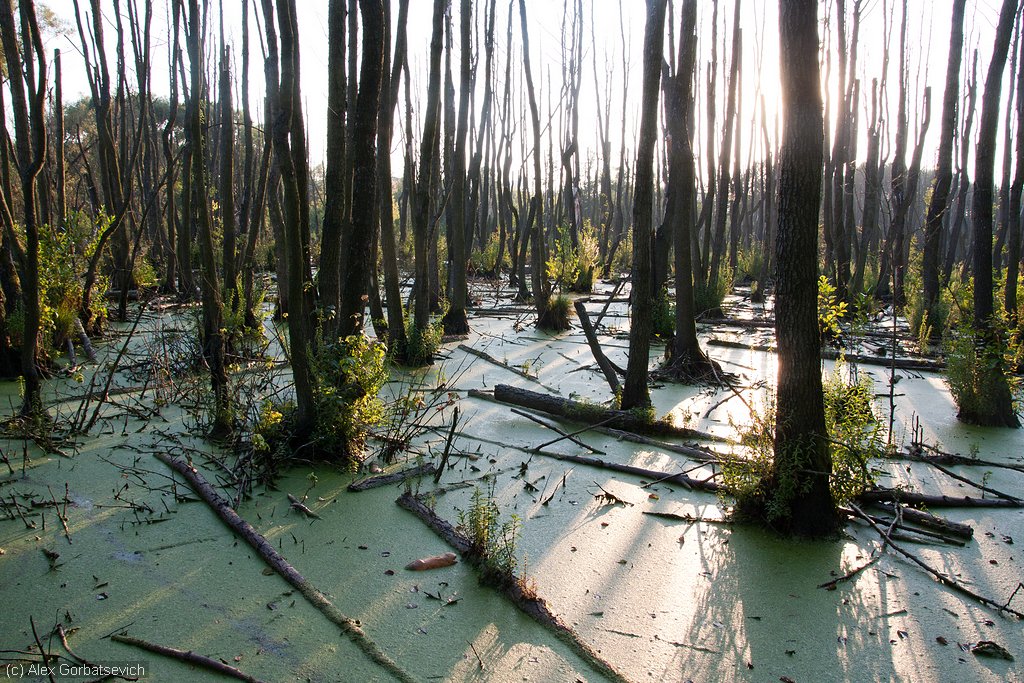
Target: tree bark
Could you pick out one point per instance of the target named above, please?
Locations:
(800, 473)
(991, 376)
(635, 393)
(943, 172)
(356, 261)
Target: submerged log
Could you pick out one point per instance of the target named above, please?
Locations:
(391, 478)
(654, 475)
(350, 627)
(186, 656)
(515, 589)
(585, 412)
(935, 501)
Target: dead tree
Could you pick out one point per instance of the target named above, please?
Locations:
(943, 172)
(1013, 239)
(635, 393)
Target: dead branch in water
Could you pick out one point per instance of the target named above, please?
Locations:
(513, 588)
(350, 627)
(187, 656)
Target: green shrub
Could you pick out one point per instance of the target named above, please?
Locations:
(708, 296)
(485, 262)
(970, 362)
(831, 311)
(492, 540)
(854, 433)
(749, 263)
(664, 315)
(558, 315)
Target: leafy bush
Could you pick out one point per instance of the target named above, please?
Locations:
(749, 263)
(970, 362)
(664, 315)
(485, 262)
(708, 296)
(831, 311)
(854, 433)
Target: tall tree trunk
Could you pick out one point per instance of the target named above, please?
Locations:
(423, 230)
(634, 392)
(335, 185)
(27, 70)
(943, 172)
(455, 321)
(802, 465)
(688, 360)
(1013, 240)
(541, 287)
(282, 84)
(213, 314)
(356, 261)
(997, 408)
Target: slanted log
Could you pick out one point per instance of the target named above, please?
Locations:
(574, 410)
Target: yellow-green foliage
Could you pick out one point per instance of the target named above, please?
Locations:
(347, 405)
(63, 256)
(831, 311)
(854, 434)
(486, 261)
(969, 361)
(708, 296)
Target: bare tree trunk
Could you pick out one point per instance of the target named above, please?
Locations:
(282, 84)
(1013, 242)
(634, 392)
(997, 408)
(802, 460)
(356, 261)
(455, 321)
(541, 287)
(963, 180)
(943, 172)
(423, 230)
(721, 211)
(213, 314)
(27, 70)
(688, 360)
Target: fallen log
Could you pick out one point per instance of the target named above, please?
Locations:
(935, 501)
(930, 521)
(920, 364)
(391, 478)
(916, 453)
(186, 656)
(350, 627)
(514, 588)
(584, 412)
(680, 478)
(939, 576)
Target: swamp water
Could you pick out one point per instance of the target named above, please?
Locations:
(659, 599)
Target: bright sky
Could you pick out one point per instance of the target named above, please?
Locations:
(928, 36)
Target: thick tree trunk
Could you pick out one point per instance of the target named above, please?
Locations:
(356, 261)
(991, 377)
(799, 480)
